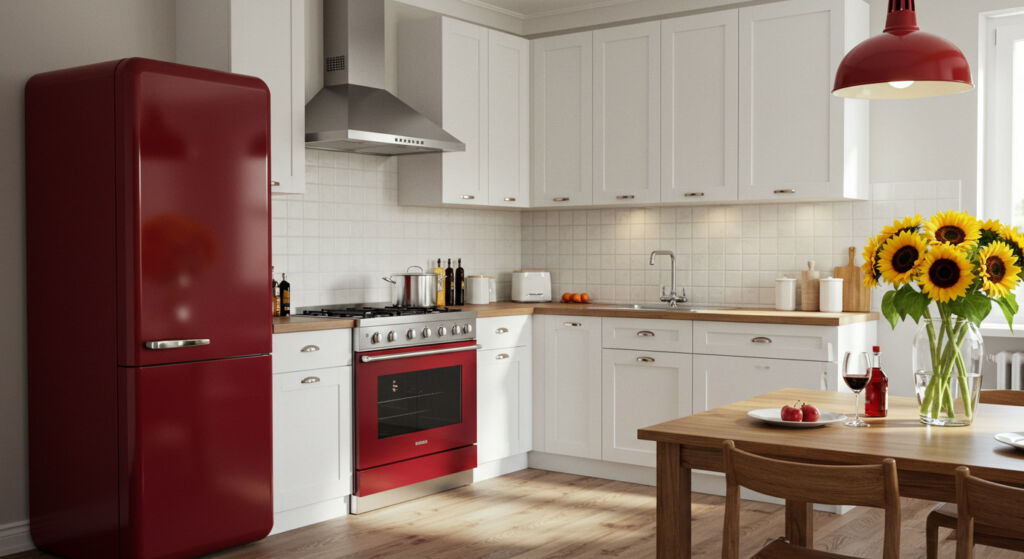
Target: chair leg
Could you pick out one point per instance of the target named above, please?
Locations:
(931, 538)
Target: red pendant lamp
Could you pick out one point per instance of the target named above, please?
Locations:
(903, 62)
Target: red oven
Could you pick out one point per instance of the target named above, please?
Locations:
(415, 414)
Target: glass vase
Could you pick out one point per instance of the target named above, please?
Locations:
(946, 362)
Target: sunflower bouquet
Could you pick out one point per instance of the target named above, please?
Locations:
(960, 264)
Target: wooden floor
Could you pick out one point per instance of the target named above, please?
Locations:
(534, 513)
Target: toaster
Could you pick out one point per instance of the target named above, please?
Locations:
(531, 286)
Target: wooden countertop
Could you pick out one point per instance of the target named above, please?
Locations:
(762, 316)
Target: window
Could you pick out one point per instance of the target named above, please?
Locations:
(1002, 117)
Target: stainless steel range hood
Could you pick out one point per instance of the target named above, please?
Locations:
(353, 112)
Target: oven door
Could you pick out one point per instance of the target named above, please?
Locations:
(414, 401)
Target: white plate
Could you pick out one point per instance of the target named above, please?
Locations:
(774, 416)
(1012, 439)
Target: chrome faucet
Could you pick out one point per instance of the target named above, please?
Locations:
(673, 299)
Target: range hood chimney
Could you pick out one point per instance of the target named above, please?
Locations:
(353, 112)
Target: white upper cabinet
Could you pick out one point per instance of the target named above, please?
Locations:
(563, 120)
(627, 114)
(464, 111)
(262, 38)
(508, 135)
(797, 140)
(699, 88)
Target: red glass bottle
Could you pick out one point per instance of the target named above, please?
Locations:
(876, 402)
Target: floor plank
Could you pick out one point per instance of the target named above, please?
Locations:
(535, 514)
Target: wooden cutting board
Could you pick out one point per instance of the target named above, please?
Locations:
(856, 296)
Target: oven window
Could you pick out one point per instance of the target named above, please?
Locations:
(418, 400)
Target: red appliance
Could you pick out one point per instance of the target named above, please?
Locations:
(149, 328)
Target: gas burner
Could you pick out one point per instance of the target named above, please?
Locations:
(367, 311)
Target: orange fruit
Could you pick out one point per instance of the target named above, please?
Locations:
(577, 298)
(585, 297)
(566, 297)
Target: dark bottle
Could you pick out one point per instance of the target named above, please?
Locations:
(274, 295)
(449, 283)
(460, 285)
(876, 402)
(286, 295)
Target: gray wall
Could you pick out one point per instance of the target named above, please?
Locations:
(37, 36)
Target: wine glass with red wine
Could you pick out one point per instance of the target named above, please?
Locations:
(856, 376)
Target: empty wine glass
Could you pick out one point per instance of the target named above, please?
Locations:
(856, 376)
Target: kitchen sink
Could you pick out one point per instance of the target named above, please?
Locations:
(680, 308)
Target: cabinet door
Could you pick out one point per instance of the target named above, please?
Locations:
(698, 107)
(563, 120)
(627, 114)
(464, 111)
(791, 128)
(312, 436)
(503, 390)
(267, 42)
(508, 123)
(572, 386)
(720, 380)
(641, 388)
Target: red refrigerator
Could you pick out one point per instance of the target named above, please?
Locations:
(149, 310)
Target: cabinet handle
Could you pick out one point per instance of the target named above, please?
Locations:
(561, 199)
(693, 195)
(310, 348)
(645, 359)
(310, 380)
(573, 324)
(501, 330)
(785, 191)
(761, 340)
(501, 356)
(275, 183)
(625, 197)
(510, 199)
(468, 197)
(645, 334)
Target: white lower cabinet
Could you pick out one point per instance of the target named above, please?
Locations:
(312, 436)
(719, 380)
(641, 388)
(503, 392)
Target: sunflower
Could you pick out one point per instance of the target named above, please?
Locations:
(999, 270)
(898, 226)
(870, 265)
(953, 228)
(991, 225)
(900, 256)
(945, 273)
(1012, 237)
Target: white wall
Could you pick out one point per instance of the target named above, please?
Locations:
(38, 36)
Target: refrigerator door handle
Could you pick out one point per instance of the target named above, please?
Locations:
(174, 344)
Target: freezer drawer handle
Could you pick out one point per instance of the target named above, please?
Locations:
(310, 380)
(645, 359)
(375, 358)
(175, 344)
(645, 334)
(310, 348)
(761, 340)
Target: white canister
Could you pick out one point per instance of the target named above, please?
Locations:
(785, 294)
(492, 288)
(830, 295)
(477, 290)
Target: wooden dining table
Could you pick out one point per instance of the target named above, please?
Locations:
(926, 457)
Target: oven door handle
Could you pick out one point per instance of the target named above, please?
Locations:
(392, 356)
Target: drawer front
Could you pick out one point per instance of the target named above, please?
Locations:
(299, 351)
(503, 331)
(647, 334)
(776, 341)
(720, 380)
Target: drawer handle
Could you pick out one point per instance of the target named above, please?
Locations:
(310, 348)
(785, 191)
(501, 330)
(468, 197)
(501, 356)
(645, 359)
(645, 334)
(310, 380)
(510, 199)
(761, 340)
(572, 324)
(694, 195)
(561, 199)
(275, 183)
(625, 197)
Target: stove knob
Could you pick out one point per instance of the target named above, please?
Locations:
(411, 334)
(441, 330)
(468, 328)
(375, 338)
(427, 332)
(391, 336)
(456, 330)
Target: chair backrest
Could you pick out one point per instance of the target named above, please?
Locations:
(1003, 397)
(992, 504)
(872, 486)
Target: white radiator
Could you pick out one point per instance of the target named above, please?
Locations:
(1008, 370)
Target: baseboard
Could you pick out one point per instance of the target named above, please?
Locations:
(310, 514)
(701, 481)
(15, 538)
(500, 467)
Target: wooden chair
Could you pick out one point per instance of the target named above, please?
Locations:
(801, 485)
(944, 515)
(979, 502)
